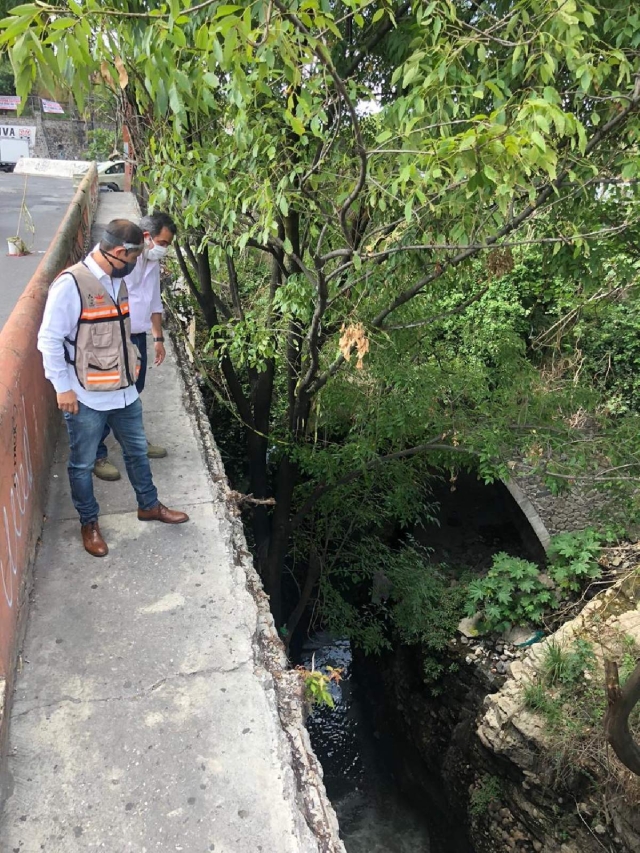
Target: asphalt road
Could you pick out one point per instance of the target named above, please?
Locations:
(47, 200)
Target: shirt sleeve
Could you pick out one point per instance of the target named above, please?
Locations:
(153, 271)
(60, 321)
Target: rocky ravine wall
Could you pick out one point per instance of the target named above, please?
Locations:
(597, 806)
(497, 765)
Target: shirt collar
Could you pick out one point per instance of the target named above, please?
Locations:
(92, 266)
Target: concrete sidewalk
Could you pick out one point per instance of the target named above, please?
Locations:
(145, 718)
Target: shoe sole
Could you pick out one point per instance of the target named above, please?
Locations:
(184, 521)
(157, 455)
(107, 479)
(96, 555)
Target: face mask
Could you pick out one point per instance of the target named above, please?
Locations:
(156, 253)
(119, 272)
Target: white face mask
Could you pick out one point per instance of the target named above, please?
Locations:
(156, 253)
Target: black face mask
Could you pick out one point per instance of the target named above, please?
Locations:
(119, 272)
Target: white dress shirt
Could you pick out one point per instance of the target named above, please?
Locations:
(143, 285)
(60, 321)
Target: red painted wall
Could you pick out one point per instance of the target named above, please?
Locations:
(29, 421)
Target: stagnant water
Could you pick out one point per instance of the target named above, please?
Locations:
(373, 815)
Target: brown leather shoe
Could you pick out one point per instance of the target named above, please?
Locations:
(162, 513)
(92, 540)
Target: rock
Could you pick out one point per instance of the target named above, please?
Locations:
(469, 627)
(537, 846)
(517, 635)
(478, 652)
(546, 581)
(600, 829)
(502, 668)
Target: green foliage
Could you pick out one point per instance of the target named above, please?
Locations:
(100, 144)
(566, 669)
(537, 698)
(629, 661)
(511, 593)
(487, 791)
(316, 685)
(567, 693)
(421, 605)
(607, 336)
(7, 83)
(441, 236)
(574, 559)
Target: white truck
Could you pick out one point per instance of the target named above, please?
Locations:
(11, 150)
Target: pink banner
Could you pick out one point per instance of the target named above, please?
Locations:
(51, 107)
(10, 102)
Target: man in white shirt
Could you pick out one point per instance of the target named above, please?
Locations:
(145, 306)
(88, 358)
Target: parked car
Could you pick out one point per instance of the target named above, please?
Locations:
(111, 175)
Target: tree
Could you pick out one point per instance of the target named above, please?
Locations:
(350, 176)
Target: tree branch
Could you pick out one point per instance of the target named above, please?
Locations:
(622, 701)
(323, 488)
(322, 54)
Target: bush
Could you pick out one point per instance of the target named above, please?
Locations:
(574, 559)
(100, 144)
(511, 593)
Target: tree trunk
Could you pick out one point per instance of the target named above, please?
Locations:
(314, 570)
(280, 533)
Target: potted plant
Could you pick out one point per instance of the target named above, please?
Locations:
(17, 246)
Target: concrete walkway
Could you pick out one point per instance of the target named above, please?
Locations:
(144, 718)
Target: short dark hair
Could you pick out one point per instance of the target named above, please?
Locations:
(120, 232)
(155, 222)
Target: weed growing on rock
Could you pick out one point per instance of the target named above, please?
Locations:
(486, 791)
(569, 695)
(316, 685)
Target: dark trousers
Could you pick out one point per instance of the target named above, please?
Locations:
(140, 340)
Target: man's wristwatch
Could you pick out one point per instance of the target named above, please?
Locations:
(158, 340)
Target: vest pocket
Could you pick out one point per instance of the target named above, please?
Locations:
(102, 335)
(100, 376)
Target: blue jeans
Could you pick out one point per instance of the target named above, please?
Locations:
(140, 340)
(85, 430)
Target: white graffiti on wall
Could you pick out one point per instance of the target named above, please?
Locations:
(13, 515)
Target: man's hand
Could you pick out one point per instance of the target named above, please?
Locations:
(160, 353)
(68, 402)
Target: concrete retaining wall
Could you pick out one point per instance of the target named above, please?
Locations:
(28, 427)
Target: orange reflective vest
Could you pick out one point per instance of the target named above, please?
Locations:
(103, 357)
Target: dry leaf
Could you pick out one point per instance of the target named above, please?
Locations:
(122, 72)
(354, 336)
(106, 75)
